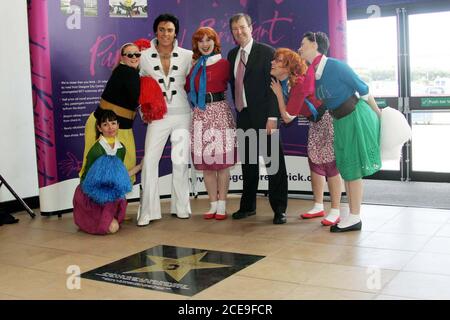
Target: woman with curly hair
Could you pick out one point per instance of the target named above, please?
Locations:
(289, 69)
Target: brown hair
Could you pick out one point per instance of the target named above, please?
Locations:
(238, 16)
(198, 36)
(293, 61)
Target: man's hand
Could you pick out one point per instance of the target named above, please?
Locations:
(271, 126)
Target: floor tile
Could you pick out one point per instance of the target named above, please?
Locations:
(286, 270)
(351, 278)
(427, 262)
(386, 297)
(444, 231)
(419, 286)
(371, 257)
(24, 282)
(401, 253)
(438, 245)
(246, 288)
(324, 235)
(423, 215)
(305, 292)
(26, 255)
(412, 227)
(395, 241)
(257, 246)
(313, 252)
(61, 264)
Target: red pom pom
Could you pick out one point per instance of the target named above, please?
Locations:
(153, 104)
(142, 43)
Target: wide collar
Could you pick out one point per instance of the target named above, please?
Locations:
(321, 66)
(175, 45)
(213, 59)
(110, 151)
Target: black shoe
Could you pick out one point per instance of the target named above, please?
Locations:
(279, 218)
(7, 218)
(355, 227)
(243, 214)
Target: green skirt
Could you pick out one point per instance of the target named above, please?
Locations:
(357, 143)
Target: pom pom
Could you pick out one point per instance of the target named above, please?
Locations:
(107, 180)
(153, 104)
(394, 132)
(142, 44)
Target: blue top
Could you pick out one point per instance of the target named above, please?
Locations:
(338, 83)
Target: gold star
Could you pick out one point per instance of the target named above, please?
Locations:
(178, 268)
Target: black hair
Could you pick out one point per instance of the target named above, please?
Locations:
(238, 16)
(166, 17)
(102, 116)
(321, 38)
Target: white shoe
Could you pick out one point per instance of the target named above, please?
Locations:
(183, 215)
(142, 220)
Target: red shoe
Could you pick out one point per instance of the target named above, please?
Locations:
(209, 215)
(328, 223)
(312, 215)
(221, 216)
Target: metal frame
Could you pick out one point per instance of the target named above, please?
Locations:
(25, 206)
(405, 102)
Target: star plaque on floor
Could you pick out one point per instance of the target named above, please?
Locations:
(184, 271)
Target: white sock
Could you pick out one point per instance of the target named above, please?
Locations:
(349, 220)
(221, 207)
(333, 215)
(317, 208)
(212, 207)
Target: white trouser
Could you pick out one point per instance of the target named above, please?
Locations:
(177, 127)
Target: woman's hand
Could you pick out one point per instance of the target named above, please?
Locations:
(286, 118)
(276, 88)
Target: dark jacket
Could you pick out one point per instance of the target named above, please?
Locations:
(261, 101)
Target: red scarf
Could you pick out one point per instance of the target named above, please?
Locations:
(309, 85)
(304, 88)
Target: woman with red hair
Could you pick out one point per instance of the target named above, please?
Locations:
(289, 69)
(213, 130)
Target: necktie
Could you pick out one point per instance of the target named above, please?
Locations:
(239, 82)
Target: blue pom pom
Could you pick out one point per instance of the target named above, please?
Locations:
(107, 180)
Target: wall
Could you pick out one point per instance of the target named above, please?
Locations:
(17, 144)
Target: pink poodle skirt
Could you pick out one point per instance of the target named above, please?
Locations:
(213, 137)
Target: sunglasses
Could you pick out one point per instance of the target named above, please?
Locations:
(131, 55)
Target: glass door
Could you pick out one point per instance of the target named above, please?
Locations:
(430, 96)
(372, 53)
(404, 55)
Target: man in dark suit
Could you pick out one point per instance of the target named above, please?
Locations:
(257, 113)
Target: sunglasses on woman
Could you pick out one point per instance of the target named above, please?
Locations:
(131, 55)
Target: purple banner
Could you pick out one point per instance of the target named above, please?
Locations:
(75, 44)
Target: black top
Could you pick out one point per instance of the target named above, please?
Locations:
(123, 89)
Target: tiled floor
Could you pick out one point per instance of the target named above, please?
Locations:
(401, 253)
